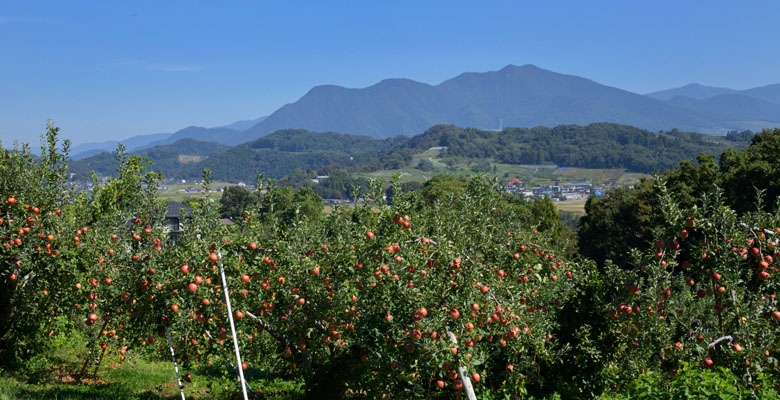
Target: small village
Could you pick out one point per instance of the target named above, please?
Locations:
(561, 191)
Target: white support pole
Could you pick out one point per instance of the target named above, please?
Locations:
(232, 327)
(175, 367)
(462, 372)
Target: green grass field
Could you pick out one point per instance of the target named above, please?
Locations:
(531, 175)
(51, 375)
(574, 206)
(149, 380)
(173, 191)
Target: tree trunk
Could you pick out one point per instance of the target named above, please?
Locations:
(329, 382)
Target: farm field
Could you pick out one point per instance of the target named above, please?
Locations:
(531, 175)
(173, 191)
(573, 206)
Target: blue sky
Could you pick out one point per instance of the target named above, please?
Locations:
(110, 70)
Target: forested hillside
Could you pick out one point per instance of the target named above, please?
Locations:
(175, 160)
(278, 154)
(601, 145)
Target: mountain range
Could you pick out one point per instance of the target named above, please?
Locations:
(519, 96)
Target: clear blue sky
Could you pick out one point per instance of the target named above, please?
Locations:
(110, 70)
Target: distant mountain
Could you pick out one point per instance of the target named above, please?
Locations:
(524, 96)
(89, 153)
(389, 108)
(514, 96)
(224, 136)
(693, 91)
(245, 124)
(176, 159)
(769, 93)
(739, 108)
(86, 149)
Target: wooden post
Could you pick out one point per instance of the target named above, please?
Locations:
(86, 362)
(175, 367)
(271, 331)
(100, 360)
(232, 327)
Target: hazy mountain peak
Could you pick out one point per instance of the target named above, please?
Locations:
(396, 82)
(524, 67)
(244, 124)
(769, 93)
(323, 90)
(692, 90)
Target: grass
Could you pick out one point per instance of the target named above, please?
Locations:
(51, 376)
(172, 190)
(189, 159)
(531, 175)
(575, 206)
(133, 380)
(182, 197)
(148, 380)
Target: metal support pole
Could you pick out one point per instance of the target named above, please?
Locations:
(175, 367)
(462, 372)
(232, 327)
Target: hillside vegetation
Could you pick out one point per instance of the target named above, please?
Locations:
(601, 145)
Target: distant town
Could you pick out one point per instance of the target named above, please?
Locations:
(561, 191)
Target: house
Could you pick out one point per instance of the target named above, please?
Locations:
(226, 221)
(175, 215)
(174, 224)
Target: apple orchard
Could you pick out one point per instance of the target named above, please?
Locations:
(415, 299)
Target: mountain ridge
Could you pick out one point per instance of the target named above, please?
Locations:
(522, 96)
(692, 90)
